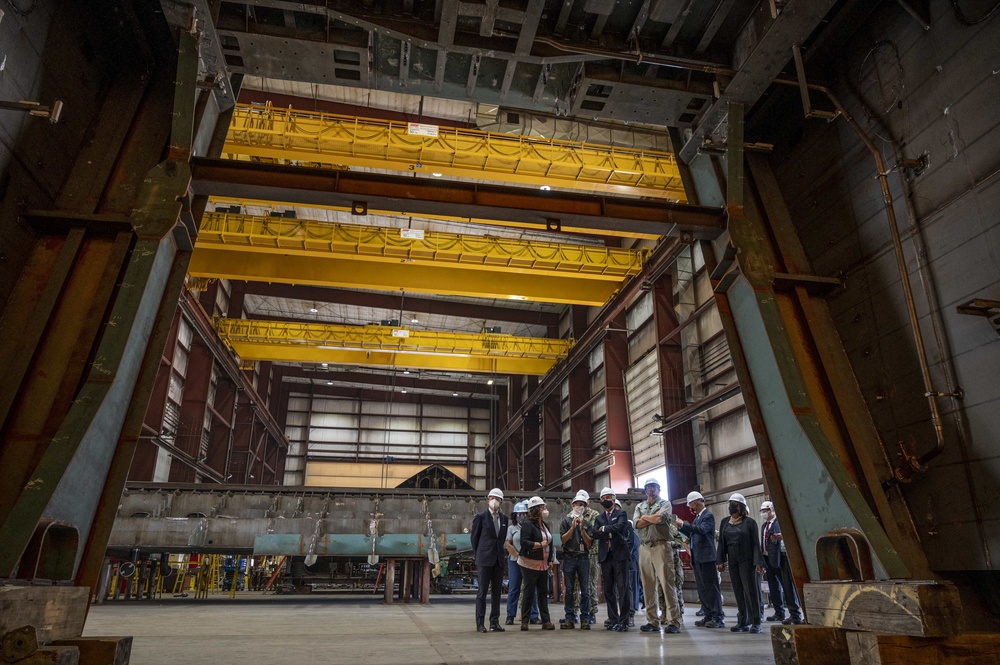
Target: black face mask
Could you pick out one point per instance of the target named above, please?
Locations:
(734, 508)
(520, 519)
(608, 505)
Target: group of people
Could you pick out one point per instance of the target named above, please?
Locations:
(645, 547)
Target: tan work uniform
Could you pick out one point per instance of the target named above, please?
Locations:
(656, 562)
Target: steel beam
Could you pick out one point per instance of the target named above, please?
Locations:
(362, 192)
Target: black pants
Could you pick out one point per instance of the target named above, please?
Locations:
(746, 587)
(781, 589)
(614, 575)
(535, 585)
(490, 580)
(706, 577)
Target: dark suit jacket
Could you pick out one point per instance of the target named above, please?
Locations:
(772, 549)
(531, 534)
(747, 543)
(701, 531)
(617, 534)
(487, 545)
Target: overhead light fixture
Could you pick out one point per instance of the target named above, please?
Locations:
(329, 383)
(406, 371)
(436, 175)
(314, 309)
(414, 321)
(545, 188)
(517, 297)
(403, 391)
(490, 382)
(454, 394)
(323, 365)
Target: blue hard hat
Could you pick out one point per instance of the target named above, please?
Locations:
(521, 507)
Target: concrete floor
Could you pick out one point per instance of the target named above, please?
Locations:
(280, 630)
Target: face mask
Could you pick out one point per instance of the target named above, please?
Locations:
(545, 514)
(494, 504)
(578, 511)
(608, 505)
(734, 508)
(520, 519)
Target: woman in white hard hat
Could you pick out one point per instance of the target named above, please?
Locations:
(536, 558)
(739, 546)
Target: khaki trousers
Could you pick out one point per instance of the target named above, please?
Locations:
(656, 563)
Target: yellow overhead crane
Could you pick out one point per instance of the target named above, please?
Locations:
(296, 251)
(312, 137)
(384, 346)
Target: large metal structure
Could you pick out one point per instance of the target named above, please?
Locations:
(854, 251)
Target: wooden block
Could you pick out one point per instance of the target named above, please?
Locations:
(53, 656)
(809, 645)
(101, 650)
(918, 609)
(56, 612)
(966, 649)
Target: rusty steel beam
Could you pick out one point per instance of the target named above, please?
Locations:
(426, 196)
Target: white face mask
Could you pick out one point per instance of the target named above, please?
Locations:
(578, 510)
(545, 514)
(494, 504)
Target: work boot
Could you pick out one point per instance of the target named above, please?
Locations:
(585, 626)
(524, 625)
(548, 625)
(509, 621)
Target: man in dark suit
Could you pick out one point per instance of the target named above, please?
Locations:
(701, 531)
(613, 534)
(489, 529)
(780, 585)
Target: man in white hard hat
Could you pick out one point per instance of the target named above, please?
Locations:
(489, 530)
(781, 587)
(653, 520)
(574, 534)
(612, 532)
(701, 531)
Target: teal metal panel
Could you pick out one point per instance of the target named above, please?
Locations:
(816, 500)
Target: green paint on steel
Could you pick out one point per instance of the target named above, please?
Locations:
(820, 492)
(353, 544)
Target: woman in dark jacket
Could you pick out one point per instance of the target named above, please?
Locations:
(536, 558)
(739, 546)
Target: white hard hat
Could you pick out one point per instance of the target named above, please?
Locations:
(581, 496)
(618, 503)
(651, 481)
(495, 492)
(767, 505)
(535, 501)
(694, 496)
(738, 498)
(606, 491)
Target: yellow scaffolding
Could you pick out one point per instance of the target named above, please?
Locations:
(391, 347)
(277, 249)
(311, 137)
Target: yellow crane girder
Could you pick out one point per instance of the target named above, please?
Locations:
(276, 249)
(280, 341)
(291, 135)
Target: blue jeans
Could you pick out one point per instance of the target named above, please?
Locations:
(576, 569)
(514, 579)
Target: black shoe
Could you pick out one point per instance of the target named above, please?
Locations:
(776, 617)
(754, 629)
(481, 629)
(509, 621)
(611, 626)
(672, 629)
(715, 623)
(496, 628)
(792, 621)
(649, 628)
(535, 622)
(700, 613)
(701, 622)
(585, 626)
(631, 622)
(607, 622)
(524, 625)
(593, 619)
(622, 628)
(739, 629)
